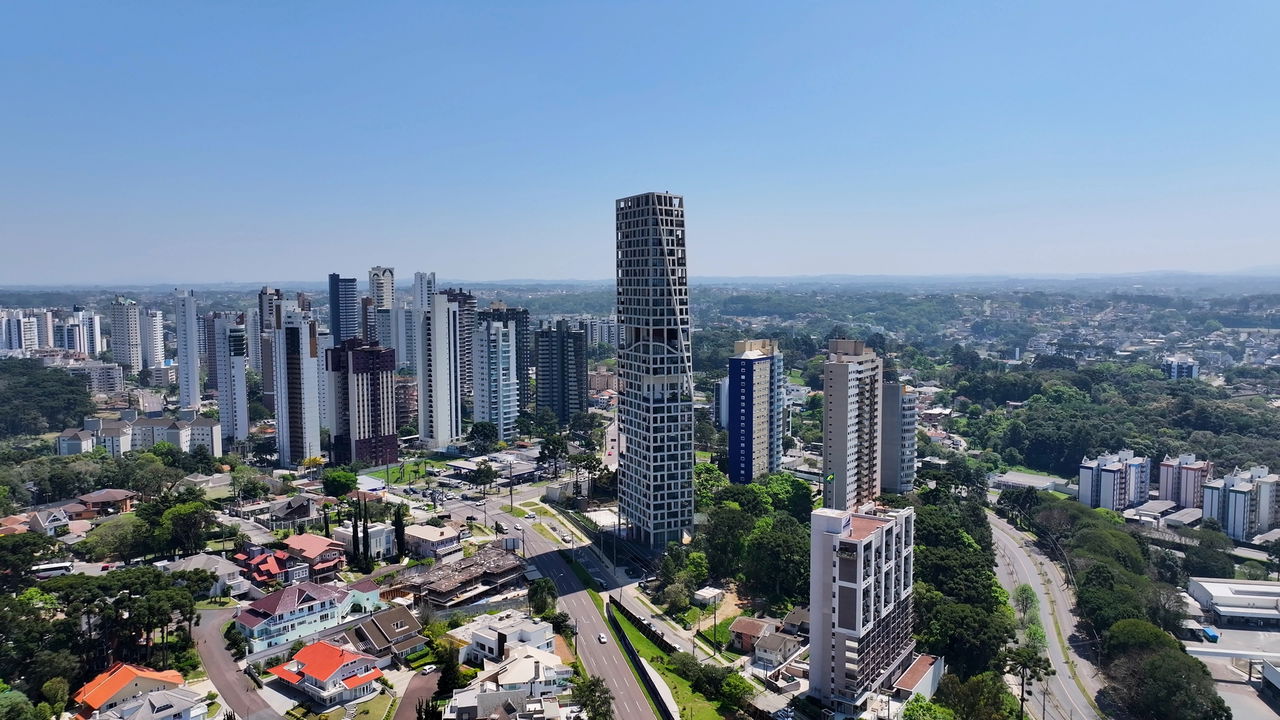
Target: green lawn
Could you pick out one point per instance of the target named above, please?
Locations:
(699, 707)
(215, 604)
(720, 633)
(702, 456)
(545, 532)
(375, 709)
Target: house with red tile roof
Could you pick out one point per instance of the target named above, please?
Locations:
(119, 683)
(325, 556)
(747, 631)
(108, 501)
(263, 567)
(330, 674)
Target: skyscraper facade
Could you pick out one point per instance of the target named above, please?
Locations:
(344, 308)
(439, 394)
(655, 404)
(497, 394)
(297, 396)
(500, 312)
(851, 378)
(898, 437)
(754, 402)
(126, 334)
(362, 382)
(188, 325)
(382, 286)
(151, 330)
(1115, 481)
(467, 319)
(1182, 479)
(860, 603)
(561, 354)
(231, 365)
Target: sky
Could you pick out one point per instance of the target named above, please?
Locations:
(258, 141)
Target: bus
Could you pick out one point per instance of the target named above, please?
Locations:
(51, 570)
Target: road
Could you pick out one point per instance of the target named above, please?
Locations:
(1017, 562)
(603, 660)
(421, 687)
(238, 691)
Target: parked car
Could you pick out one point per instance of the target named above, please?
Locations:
(471, 518)
(428, 669)
(530, 516)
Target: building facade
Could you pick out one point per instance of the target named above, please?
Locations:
(497, 394)
(561, 370)
(382, 286)
(126, 334)
(151, 328)
(1115, 482)
(344, 308)
(753, 405)
(655, 404)
(860, 603)
(362, 382)
(231, 365)
(439, 393)
(188, 326)
(500, 312)
(296, 366)
(467, 319)
(1245, 502)
(1182, 480)
(850, 425)
(1180, 367)
(898, 437)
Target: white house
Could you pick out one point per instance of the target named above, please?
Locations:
(381, 537)
(330, 674)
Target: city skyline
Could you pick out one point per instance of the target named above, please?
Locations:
(1051, 139)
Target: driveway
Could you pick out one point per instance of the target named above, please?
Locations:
(420, 687)
(236, 690)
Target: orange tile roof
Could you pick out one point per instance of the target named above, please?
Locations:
(311, 546)
(358, 680)
(322, 659)
(116, 678)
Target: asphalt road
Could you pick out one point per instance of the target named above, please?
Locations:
(420, 687)
(604, 660)
(1017, 562)
(236, 690)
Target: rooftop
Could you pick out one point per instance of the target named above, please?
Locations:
(158, 705)
(920, 667)
(116, 678)
(318, 660)
(862, 527)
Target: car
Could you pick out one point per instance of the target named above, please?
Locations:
(530, 516)
(479, 503)
(428, 669)
(471, 518)
(602, 639)
(566, 539)
(106, 566)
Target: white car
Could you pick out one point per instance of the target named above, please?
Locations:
(428, 669)
(479, 503)
(530, 516)
(602, 638)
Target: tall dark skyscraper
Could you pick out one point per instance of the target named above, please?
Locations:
(562, 370)
(499, 312)
(362, 378)
(344, 308)
(655, 370)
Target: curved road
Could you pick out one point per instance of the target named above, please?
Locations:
(1017, 562)
(236, 690)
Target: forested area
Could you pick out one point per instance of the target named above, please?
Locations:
(37, 399)
(1126, 590)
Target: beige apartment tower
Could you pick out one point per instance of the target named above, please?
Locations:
(851, 440)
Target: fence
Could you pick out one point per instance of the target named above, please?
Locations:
(664, 712)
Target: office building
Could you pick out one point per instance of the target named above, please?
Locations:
(296, 352)
(362, 384)
(898, 437)
(344, 308)
(126, 334)
(439, 394)
(1115, 481)
(561, 355)
(1182, 480)
(501, 312)
(851, 379)
(231, 365)
(382, 287)
(1245, 502)
(655, 404)
(860, 614)
(1180, 367)
(151, 331)
(467, 319)
(496, 393)
(753, 404)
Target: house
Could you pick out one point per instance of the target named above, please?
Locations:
(467, 579)
(381, 538)
(796, 622)
(747, 631)
(708, 596)
(524, 674)
(323, 555)
(15, 524)
(79, 511)
(920, 678)
(330, 674)
(776, 648)
(110, 501)
(263, 567)
(177, 704)
(386, 634)
(73, 441)
(292, 513)
(488, 636)
(226, 574)
(429, 541)
(300, 610)
(121, 682)
(52, 522)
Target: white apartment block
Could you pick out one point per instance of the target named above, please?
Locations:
(126, 334)
(1182, 480)
(297, 393)
(655, 370)
(189, 336)
(1115, 482)
(381, 536)
(324, 382)
(1245, 502)
(496, 387)
(17, 331)
(151, 324)
(488, 637)
(231, 364)
(850, 425)
(898, 438)
(860, 614)
(382, 287)
(439, 391)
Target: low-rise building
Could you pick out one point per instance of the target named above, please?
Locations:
(429, 541)
(323, 555)
(449, 584)
(524, 674)
(381, 538)
(386, 634)
(227, 579)
(263, 567)
(52, 522)
(747, 631)
(120, 683)
(300, 610)
(177, 704)
(489, 636)
(776, 648)
(330, 674)
(108, 501)
(1237, 602)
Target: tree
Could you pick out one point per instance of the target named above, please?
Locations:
(696, 569)
(554, 449)
(777, 557)
(484, 475)
(594, 697)
(483, 437)
(676, 597)
(725, 539)
(15, 706)
(56, 691)
(1165, 684)
(1205, 562)
(398, 518)
(1028, 666)
(917, 708)
(338, 483)
(1024, 601)
(542, 596)
(450, 672)
(788, 493)
(1254, 570)
(311, 463)
(736, 691)
(1132, 635)
(707, 482)
(981, 697)
(184, 526)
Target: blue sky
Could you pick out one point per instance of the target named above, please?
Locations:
(209, 142)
